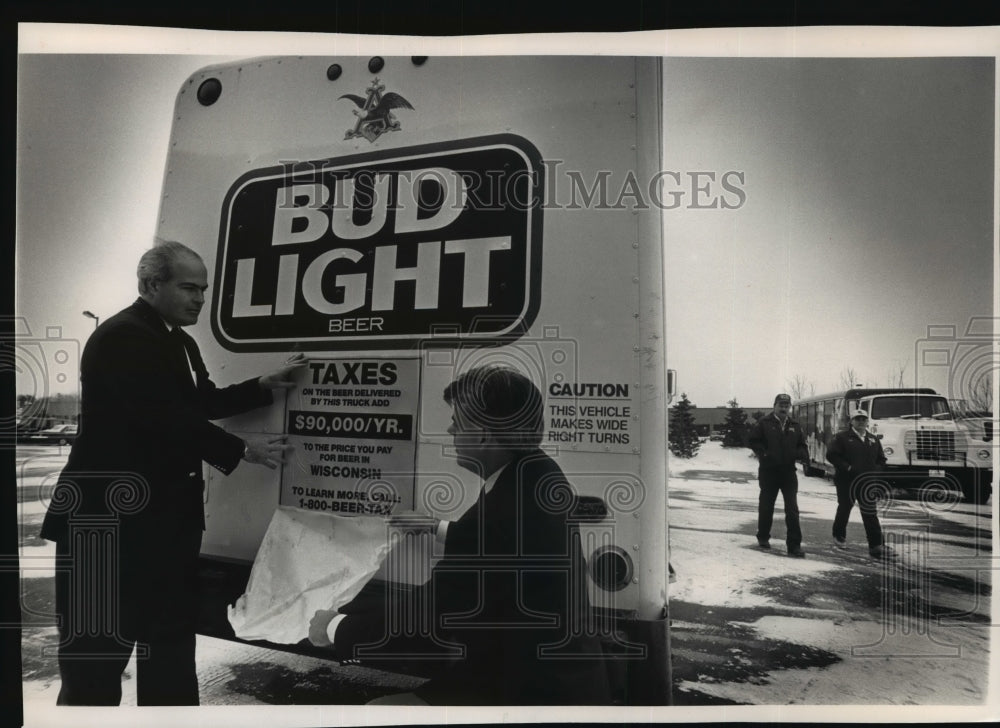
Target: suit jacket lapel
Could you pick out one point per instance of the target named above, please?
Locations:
(191, 358)
(173, 350)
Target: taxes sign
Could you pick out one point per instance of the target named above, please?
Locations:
(383, 250)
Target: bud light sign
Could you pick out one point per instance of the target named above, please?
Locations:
(383, 250)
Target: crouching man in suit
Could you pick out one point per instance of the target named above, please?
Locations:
(508, 599)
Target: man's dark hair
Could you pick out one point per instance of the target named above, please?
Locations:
(157, 263)
(502, 401)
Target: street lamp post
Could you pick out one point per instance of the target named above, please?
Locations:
(97, 320)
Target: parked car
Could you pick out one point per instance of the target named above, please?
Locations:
(61, 434)
(717, 437)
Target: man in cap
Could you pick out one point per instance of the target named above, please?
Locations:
(857, 455)
(778, 442)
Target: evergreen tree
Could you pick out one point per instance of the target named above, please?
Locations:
(734, 429)
(682, 435)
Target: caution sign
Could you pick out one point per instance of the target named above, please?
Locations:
(353, 424)
(592, 416)
(383, 250)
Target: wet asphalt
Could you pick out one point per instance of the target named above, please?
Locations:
(720, 653)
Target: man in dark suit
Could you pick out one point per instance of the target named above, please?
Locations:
(778, 442)
(505, 611)
(127, 514)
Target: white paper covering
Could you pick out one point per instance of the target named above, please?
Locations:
(307, 561)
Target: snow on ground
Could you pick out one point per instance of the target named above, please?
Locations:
(36, 475)
(827, 603)
(711, 520)
(859, 610)
(38, 562)
(875, 664)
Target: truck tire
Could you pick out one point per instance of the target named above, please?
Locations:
(809, 471)
(976, 487)
(939, 494)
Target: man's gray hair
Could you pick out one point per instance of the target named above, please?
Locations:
(157, 263)
(502, 401)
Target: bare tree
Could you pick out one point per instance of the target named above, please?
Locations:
(981, 393)
(848, 378)
(897, 375)
(799, 387)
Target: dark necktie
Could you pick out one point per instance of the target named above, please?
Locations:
(180, 350)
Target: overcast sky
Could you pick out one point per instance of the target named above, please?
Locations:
(93, 133)
(868, 216)
(868, 211)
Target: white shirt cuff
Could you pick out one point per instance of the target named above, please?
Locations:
(442, 531)
(331, 629)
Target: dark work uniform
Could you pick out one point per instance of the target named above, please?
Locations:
(127, 514)
(857, 460)
(778, 448)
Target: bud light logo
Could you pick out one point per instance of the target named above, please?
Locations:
(383, 250)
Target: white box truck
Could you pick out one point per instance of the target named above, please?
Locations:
(927, 449)
(399, 220)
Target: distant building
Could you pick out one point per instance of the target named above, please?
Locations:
(709, 420)
(48, 412)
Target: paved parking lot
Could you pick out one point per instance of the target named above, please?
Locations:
(748, 627)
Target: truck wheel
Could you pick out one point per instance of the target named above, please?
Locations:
(976, 488)
(938, 494)
(810, 471)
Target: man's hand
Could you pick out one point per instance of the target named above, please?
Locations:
(413, 521)
(269, 452)
(282, 378)
(317, 627)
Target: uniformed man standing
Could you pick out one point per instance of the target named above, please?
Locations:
(857, 455)
(778, 442)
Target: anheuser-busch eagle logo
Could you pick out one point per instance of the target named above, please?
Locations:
(374, 112)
